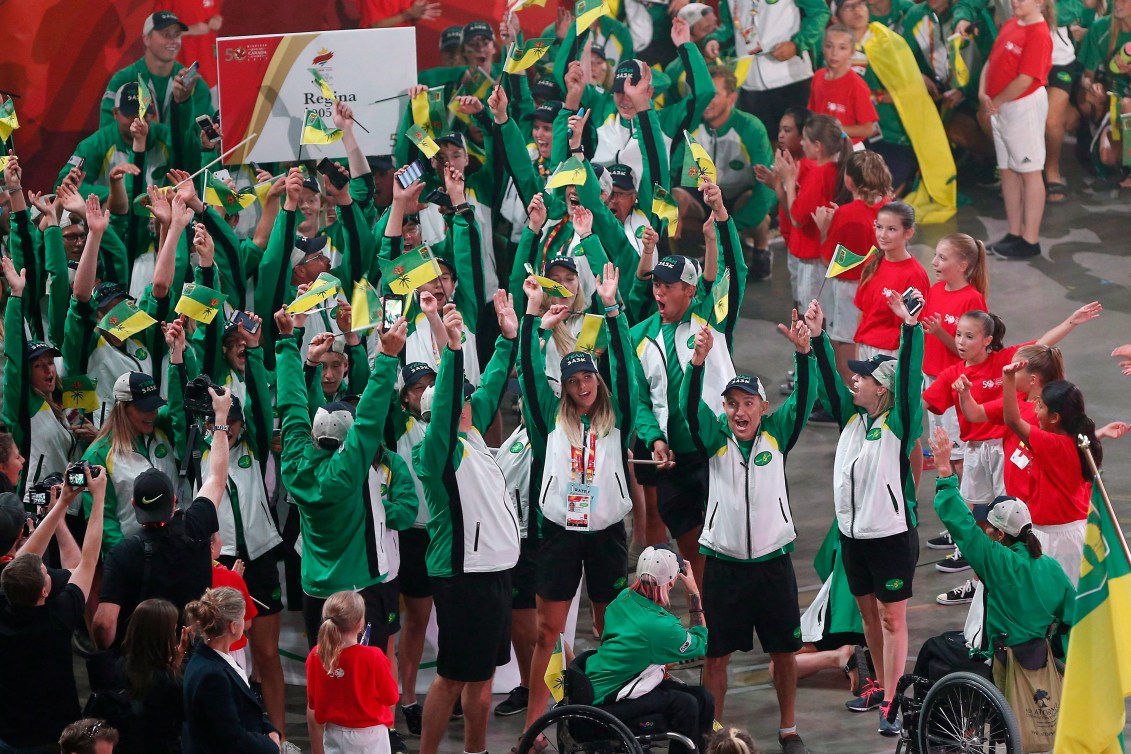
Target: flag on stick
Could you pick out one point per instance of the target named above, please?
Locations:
(588, 11)
(323, 84)
(410, 270)
(200, 302)
(552, 287)
(720, 296)
(324, 286)
(428, 110)
(844, 260)
(570, 173)
(79, 393)
(219, 194)
(125, 320)
(665, 207)
(528, 54)
(591, 339)
(365, 307)
(315, 131)
(419, 136)
(142, 98)
(697, 164)
(8, 120)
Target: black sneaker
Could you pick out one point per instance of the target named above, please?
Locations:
(515, 702)
(396, 743)
(413, 715)
(1020, 250)
(761, 264)
(457, 711)
(941, 542)
(963, 594)
(792, 744)
(953, 563)
(1008, 240)
(821, 416)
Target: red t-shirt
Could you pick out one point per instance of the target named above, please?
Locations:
(854, 227)
(221, 576)
(879, 327)
(951, 305)
(847, 99)
(373, 11)
(1019, 51)
(358, 694)
(200, 47)
(1018, 457)
(1060, 491)
(816, 187)
(985, 385)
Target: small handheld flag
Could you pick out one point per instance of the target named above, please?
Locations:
(720, 297)
(590, 338)
(315, 131)
(844, 260)
(200, 303)
(961, 71)
(697, 164)
(665, 207)
(142, 98)
(419, 136)
(324, 286)
(125, 320)
(428, 110)
(570, 173)
(555, 671)
(588, 11)
(218, 194)
(741, 67)
(365, 307)
(8, 120)
(528, 54)
(323, 84)
(79, 393)
(516, 5)
(552, 287)
(410, 270)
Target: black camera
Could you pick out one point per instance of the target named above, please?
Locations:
(198, 401)
(76, 474)
(39, 494)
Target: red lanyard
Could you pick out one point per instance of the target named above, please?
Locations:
(584, 458)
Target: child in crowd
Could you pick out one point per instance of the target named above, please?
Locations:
(839, 91)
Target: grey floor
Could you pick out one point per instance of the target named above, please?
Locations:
(1086, 256)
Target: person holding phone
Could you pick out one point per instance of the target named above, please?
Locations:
(880, 418)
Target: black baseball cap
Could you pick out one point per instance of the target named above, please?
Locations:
(562, 261)
(546, 89)
(447, 263)
(622, 177)
(676, 269)
(154, 498)
(547, 111)
(235, 411)
(107, 293)
(477, 29)
(415, 372)
(312, 184)
(451, 138)
(746, 383)
(37, 348)
(305, 248)
(162, 19)
(628, 69)
(575, 362)
(880, 367)
(126, 99)
(382, 162)
(139, 389)
(451, 37)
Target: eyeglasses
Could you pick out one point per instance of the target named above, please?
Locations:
(74, 237)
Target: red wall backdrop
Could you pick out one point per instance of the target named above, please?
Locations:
(59, 54)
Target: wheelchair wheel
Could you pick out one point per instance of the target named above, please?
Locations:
(577, 728)
(964, 713)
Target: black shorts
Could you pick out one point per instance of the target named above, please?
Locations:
(741, 599)
(382, 613)
(681, 494)
(645, 474)
(604, 555)
(473, 615)
(523, 575)
(413, 575)
(1064, 77)
(262, 578)
(881, 567)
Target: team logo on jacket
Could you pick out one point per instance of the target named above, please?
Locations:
(517, 447)
(140, 354)
(161, 451)
(244, 462)
(873, 434)
(762, 458)
(691, 342)
(894, 585)
(797, 633)
(735, 164)
(384, 490)
(620, 583)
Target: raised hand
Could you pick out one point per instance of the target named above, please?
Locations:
(607, 283)
(203, 245)
(1123, 353)
(497, 102)
(534, 294)
(284, 322)
(681, 32)
(582, 220)
(453, 323)
(69, 198)
(251, 339)
(97, 219)
(159, 205)
(469, 105)
(649, 239)
(454, 181)
(814, 318)
(504, 310)
(1011, 369)
(536, 212)
(1086, 313)
(320, 345)
(940, 445)
(962, 384)
(428, 304)
(16, 280)
(797, 333)
(393, 338)
(704, 342)
(555, 315)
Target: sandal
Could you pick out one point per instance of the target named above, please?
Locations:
(541, 743)
(1056, 192)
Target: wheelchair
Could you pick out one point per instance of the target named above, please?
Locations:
(579, 727)
(961, 713)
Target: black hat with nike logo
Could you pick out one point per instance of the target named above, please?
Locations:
(154, 498)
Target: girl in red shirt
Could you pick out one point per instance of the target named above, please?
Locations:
(1062, 484)
(790, 128)
(893, 269)
(811, 183)
(839, 91)
(349, 686)
(853, 226)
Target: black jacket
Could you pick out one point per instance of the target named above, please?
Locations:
(222, 716)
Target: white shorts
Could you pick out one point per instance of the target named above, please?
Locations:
(841, 315)
(1019, 133)
(983, 472)
(864, 352)
(948, 420)
(805, 277)
(1064, 543)
(339, 740)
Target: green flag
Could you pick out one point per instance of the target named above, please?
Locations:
(125, 320)
(665, 207)
(522, 57)
(142, 98)
(8, 121)
(409, 271)
(315, 130)
(199, 302)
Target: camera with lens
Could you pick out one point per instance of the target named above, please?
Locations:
(39, 494)
(198, 401)
(76, 474)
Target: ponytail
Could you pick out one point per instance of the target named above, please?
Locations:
(973, 252)
(1032, 544)
(732, 740)
(829, 133)
(1045, 362)
(340, 615)
(992, 327)
(1063, 398)
(214, 611)
(870, 176)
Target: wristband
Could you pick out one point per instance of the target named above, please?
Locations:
(612, 308)
(576, 150)
(459, 209)
(14, 190)
(220, 428)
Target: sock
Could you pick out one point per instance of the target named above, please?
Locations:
(783, 732)
(476, 752)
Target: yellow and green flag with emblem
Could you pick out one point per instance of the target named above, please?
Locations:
(365, 307)
(79, 393)
(555, 671)
(8, 120)
(409, 271)
(516, 5)
(523, 56)
(1097, 674)
(428, 110)
(587, 12)
(697, 164)
(592, 337)
(324, 286)
(125, 320)
(419, 136)
(219, 194)
(570, 173)
(550, 286)
(143, 102)
(665, 207)
(315, 131)
(323, 85)
(844, 260)
(200, 302)
(720, 296)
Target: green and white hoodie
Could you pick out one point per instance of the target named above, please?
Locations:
(243, 513)
(515, 458)
(873, 489)
(392, 508)
(611, 501)
(748, 513)
(472, 525)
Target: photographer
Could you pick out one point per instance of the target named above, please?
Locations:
(40, 609)
(138, 436)
(171, 557)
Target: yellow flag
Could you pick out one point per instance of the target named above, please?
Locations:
(742, 67)
(365, 307)
(954, 45)
(324, 286)
(720, 294)
(8, 120)
(697, 164)
(555, 671)
(516, 5)
(569, 173)
(1115, 130)
(665, 207)
(418, 136)
(552, 287)
(315, 130)
(588, 11)
(844, 260)
(531, 52)
(324, 85)
(587, 339)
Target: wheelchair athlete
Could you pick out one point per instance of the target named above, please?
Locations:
(641, 637)
(1024, 592)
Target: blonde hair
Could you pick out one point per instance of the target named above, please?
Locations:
(564, 339)
(870, 176)
(973, 253)
(732, 740)
(214, 611)
(340, 616)
(119, 429)
(601, 416)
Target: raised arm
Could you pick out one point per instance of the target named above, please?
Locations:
(706, 428)
(1085, 313)
(1010, 408)
(216, 483)
(96, 481)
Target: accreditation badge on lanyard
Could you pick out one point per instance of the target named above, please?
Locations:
(581, 493)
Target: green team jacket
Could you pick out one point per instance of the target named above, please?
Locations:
(180, 117)
(440, 453)
(1024, 596)
(639, 634)
(329, 486)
